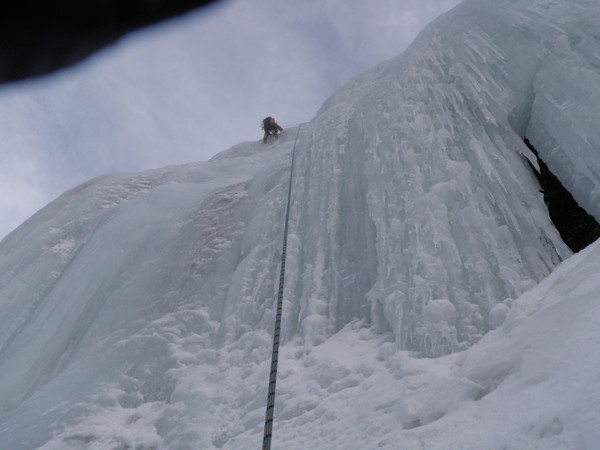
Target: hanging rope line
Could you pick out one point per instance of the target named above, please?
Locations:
(290, 125)
(277, 332)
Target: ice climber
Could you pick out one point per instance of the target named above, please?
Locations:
(270, 127)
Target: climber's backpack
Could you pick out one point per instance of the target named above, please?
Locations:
(266, 123)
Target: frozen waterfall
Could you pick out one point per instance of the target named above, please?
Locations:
(136, 309)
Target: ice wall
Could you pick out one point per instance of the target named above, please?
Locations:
(564, 113)
(109, 287)
(136, 309)
(415, 174)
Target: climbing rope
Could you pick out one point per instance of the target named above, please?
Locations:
(290, 125)
(277, 332)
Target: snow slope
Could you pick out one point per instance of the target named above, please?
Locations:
(136, 310)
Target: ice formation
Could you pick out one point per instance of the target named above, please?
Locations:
(136, 310)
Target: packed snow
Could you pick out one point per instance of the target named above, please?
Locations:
(429, 300)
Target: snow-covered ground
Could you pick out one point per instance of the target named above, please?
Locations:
(429, 301)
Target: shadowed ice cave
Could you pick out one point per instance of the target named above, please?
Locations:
(577, 228)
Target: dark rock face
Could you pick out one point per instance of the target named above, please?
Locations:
(37, 37)
(577, 228)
